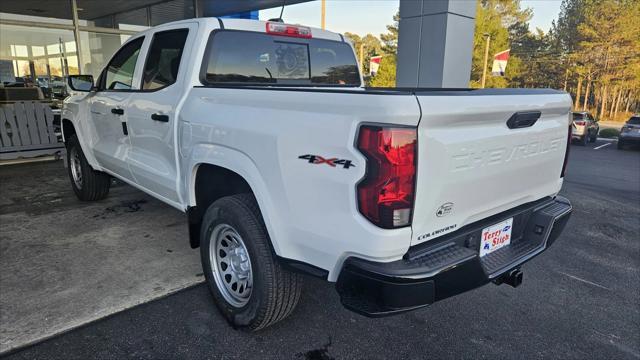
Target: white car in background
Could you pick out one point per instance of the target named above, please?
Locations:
(585, 128)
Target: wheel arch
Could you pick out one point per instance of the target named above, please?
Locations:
(68, 129)
(212, 180)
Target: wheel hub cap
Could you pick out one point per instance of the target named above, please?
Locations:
(231, 266)
(76, 169)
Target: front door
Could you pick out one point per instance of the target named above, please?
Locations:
(151, 111)
(108, 110)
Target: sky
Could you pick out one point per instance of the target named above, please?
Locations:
(372, 16)
(544, 11)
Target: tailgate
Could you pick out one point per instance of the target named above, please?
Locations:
(472, 165)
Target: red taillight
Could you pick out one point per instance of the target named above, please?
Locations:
(566, 153)
(580, 123)
(288, 30)
(386, 194)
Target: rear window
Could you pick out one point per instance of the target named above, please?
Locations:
(579, 116)
(635, 120)
(253, 58)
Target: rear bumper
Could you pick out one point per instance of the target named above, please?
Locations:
(629, 138)
(578, 132)
(450, 265)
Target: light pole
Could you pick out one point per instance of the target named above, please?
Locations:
(362, 57)
(486, 59)
(323, 12)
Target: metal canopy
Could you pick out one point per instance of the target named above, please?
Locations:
(226, 7)
(92, 9)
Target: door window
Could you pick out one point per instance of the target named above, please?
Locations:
(163, 61)
(118, 74)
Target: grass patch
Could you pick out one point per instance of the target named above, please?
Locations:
(609, 133)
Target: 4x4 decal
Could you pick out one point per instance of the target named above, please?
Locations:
(317, 159)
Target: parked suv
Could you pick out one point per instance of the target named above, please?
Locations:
(263, 134)
(585, 128)
(630, 132)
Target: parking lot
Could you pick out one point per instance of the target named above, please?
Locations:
(580, 299)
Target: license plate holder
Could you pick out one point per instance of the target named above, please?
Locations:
(495, 237)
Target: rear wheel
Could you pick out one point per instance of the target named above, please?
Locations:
(593, 136)
(620, 145)
(248, 285)
(87, 184)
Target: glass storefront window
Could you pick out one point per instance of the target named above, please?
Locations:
(97, 49)
(37, 57)
(38, 46)
(105, 21)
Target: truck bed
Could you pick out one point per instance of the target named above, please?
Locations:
(452, 126)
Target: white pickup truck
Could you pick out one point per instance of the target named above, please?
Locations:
(263, 133)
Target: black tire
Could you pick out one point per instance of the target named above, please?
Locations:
(275, 291)
(593, 137)
(94, 185)
(620, 145)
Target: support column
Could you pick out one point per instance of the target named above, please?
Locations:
(76, 35)
(435, 43)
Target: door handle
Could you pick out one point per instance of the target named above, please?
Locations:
(523, 119)
(160, 117)
(117, 111)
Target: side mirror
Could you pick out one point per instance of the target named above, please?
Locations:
(80, 82)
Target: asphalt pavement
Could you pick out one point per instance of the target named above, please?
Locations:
(580, 299)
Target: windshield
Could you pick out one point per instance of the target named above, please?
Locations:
(635, 120)
(256, 58)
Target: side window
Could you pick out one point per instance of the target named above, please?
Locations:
(118, 75)
(163, 61)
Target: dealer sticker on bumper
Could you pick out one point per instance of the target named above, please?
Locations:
(495, 236)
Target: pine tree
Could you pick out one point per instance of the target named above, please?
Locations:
(390, 39)
(504, 21)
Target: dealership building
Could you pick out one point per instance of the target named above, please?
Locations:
(42, 41)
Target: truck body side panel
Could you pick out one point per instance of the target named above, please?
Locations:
(310, 206)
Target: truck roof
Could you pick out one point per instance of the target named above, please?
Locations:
(248, 25)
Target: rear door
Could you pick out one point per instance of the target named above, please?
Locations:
(151, 111)
(473, 164)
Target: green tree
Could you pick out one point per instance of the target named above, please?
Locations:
(609, 48)
(565, 30)
(502, 20)
(390, 39)
(591, 51)
(533, 61)
(372, 47)
(386, 75)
